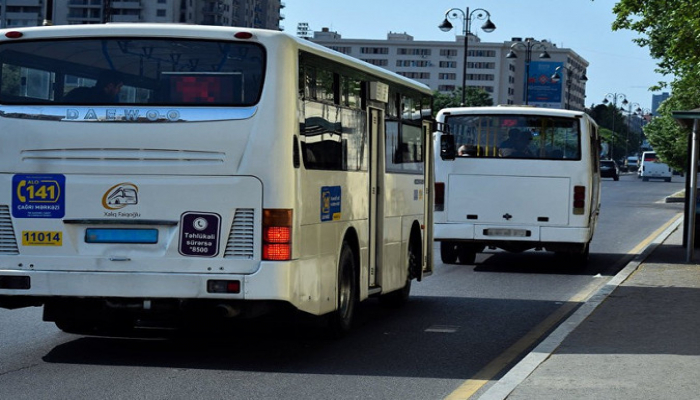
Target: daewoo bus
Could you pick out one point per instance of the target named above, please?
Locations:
(237, 170)
(515, 178)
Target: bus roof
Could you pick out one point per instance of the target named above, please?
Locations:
(126, 29)
(513, 110)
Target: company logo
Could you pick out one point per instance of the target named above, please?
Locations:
(127, 114)
(120, 196)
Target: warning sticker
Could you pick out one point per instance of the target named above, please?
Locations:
(199, 234)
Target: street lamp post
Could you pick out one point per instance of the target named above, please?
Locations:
(614, 97)
(467, 17)
(637, 109)
(569, 72)
(644, 113)
(528, 45)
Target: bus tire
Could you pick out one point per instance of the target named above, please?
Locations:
(340, 320)
(448, 252)
(400, 297)
(576, 258)
(76, 326)
(466, 253)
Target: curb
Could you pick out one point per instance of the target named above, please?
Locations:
(675, 198)
(510, 381)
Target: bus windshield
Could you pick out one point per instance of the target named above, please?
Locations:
(153, 71)
(516, 136)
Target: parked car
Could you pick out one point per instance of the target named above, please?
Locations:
(609, 169)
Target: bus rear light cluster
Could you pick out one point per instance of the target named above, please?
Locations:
(439, 196)
(579, 200)
(277, 234)
(223, 286)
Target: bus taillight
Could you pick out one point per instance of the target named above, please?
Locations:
(439, 196)
(277, 234)
(579, 199)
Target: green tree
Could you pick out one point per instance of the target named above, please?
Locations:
(670, 29)
(603, 116)
(666, 136)
(474, 98)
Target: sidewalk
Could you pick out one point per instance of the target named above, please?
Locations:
(638, 338)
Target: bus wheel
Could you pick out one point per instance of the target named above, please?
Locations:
(340, 320)
(400, 297)
(448, 252)
(467, 254)
(76, 326)
(576, 258)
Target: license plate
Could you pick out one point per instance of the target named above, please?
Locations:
(42, 238)
(136, 236)
(506, 232)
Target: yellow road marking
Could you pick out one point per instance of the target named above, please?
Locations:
(486, 374)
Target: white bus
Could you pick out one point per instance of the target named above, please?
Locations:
(237, 170)
(515, 178)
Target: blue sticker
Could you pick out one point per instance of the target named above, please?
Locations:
(330, 203)
(39, 196)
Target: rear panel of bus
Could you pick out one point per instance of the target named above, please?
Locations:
(155, 193)
(524, 176)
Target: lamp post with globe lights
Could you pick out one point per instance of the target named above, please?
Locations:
(614, 97)
(446, 26)
(528, 45)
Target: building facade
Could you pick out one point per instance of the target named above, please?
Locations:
(439, 65)
(656, 100)
(264, 14)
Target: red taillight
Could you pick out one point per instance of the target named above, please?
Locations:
(579, 199)
(243, 35)
(439, 196)
(13, 35)
(221, 286)
(277, 234)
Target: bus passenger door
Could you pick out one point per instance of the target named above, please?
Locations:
(376, 183)
(428, 199)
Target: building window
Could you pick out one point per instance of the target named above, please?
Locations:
(374, 50)
(377, 61)
(413, 63)
(448, 52)
(448, 64)
(412, 52)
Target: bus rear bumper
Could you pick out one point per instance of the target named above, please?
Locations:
(482, 233)
(273, 281)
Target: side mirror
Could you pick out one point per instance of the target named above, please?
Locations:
(447, 147)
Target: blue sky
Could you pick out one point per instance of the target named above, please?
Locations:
(617, 65)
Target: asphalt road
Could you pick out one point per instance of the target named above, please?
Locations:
(463, 325)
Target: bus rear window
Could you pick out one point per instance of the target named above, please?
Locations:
(516, 136)
(167, 72)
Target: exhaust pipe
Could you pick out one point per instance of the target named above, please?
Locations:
(227, 310)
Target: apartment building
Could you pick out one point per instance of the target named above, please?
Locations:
(249, 13)
(439, 65)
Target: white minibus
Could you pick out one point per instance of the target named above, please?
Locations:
(221, 172)
(515, 178)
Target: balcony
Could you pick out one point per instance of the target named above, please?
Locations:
(126, 5)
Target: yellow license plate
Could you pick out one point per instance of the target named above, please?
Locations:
(42, 238)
